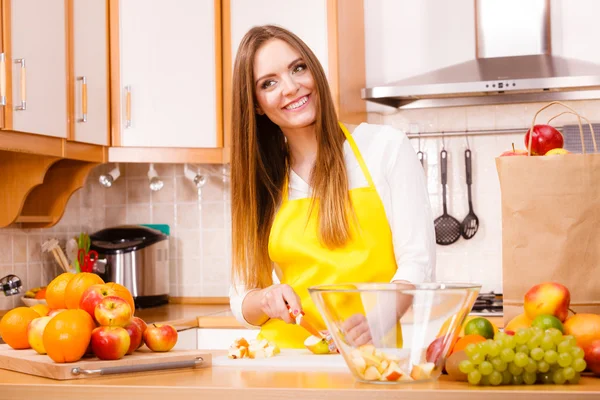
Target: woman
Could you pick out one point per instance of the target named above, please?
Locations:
(311, 202)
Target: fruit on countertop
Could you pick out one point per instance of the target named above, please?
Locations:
(514, 152)
(317, 345)
(160, 337)
(548, 298)
(113, 311)
(546, 322)
(77, 286)
(55, 291)
(136, 338)
(585, 328)
(241, 348)
(67, 335)
(452, 365)
(518, 322)
(557, 152)
(142, 325)
(446, 325)
(110, 342)
(13, 327)
(592, 356)
(466, 340)
(543, 139)
(480, 326)
(41, 309)
(35, 333)
(36, 293)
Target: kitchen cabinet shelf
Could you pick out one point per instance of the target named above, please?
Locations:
(167, 155)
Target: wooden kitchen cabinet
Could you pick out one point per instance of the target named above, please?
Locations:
(166, 76)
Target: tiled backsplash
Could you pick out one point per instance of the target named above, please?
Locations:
(201, 235)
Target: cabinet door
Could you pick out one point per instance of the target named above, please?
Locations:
(168, 74)
(90, 56)
(38, 48)
(307, 19)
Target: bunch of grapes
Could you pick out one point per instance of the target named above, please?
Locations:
(531, 356)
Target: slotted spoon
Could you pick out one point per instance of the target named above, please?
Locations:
(447, 228)
(470, 224)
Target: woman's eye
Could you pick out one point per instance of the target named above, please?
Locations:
(266, 84)
(299, 68)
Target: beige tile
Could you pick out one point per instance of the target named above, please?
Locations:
(117, 193)
(139, 214)
(19, 248)
(133, 170)
(185, 191)
(190, 291)
(188, 245)
(189, 271)
(213, 215)
(114, 216)
(215, 270)
(20, 270)
(163, 214)
(173, 272)
(213, 189)
(6, 249)
(138, 191)
(34, 248)
(167, 193)
(481, 118)
(174, 290)
(187, 216)
(512, 116)
(452, 119)
(34, 275)
(214, 242)
(215, 290)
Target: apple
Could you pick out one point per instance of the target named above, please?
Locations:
(544, 139)
(514, 152)
(548, 298)
(558, 152)
(113, 311)
(135, 336)
(422, 371)
(93, 295)
(142, 325)
(35, 333)
(160, 337)
(394, 373)
(316, 345)
(110, 342)
(56, 311)
(436, 348)
(592, 356)
(372, 373)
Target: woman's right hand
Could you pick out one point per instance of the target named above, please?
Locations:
(275, 299)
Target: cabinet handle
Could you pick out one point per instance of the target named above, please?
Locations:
(23, 105)
(2, 79)
(128, 106)
(83, 80)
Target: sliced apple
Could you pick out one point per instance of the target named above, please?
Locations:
(395, 373)
(422, 371)
(240, 342)
(372, 374)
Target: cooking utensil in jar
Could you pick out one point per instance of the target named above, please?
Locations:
(470, 224)
(447, 228)
(86, 260)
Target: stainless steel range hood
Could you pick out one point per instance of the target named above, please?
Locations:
(514, 64)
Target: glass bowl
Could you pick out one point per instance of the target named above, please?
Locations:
(395, 333)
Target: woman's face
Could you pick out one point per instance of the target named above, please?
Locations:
(284, 86)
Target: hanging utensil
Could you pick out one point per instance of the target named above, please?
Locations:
(470, 224)
(420, 154)
(447, 228)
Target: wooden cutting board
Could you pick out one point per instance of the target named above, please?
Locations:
(288, 359)
(29, 362)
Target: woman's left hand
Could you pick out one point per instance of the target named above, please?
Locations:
(357, 331)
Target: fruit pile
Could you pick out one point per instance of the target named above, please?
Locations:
(36, 293)
(84, 316)
(545, 141)
(241, 348)
(372, 364)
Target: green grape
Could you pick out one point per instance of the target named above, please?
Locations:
(545, 378)
(517, 379)
(543, 366)
(506, 378)
(471, 349)
(474, 377)
(510, 342)
(571, 340)
(551, 356)
(513, 369)
(477, 358)
(500, 343)
(529, 377)
(485, 380)
(558, 377)
(531, 366)
(536, 331)
(495, 378)
(577, 352)
(547, 343)
(537, 354)
(522, 348)
(535, 341)
(521, 359)
(484, 347)
(575, 379)
(564, 346)
(507, 355)
(579, 365)
(555, 334)
(494, 350)
(569, 373)
(500, 336)
(564, 359)
(522, 336)
(486, 368)
(466, 366)
(498, 364)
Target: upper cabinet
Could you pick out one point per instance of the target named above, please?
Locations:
(36, 59)
(166, 73)
(90, 78)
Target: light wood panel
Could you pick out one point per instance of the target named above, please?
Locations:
(5, 42)
(165, 155)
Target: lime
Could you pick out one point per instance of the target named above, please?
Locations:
(546, 322)
(480, 326)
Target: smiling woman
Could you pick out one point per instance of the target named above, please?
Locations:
(313, 203)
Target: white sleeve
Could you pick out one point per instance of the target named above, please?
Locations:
(411, 217)
(237, 294)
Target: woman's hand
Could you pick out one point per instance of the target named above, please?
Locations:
(275, 299)
(356, 330)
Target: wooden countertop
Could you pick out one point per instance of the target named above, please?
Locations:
(249, 384)
(182, 315)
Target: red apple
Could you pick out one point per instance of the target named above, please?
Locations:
(435, 350)
(110, 342)
(93, 295)
(35, 333)
(592, 356)
(160, 337)
(135, 336)
(113, 311)
(544, 139)
(548, 298)
(514, 152)
(52, 313)
(142, 325)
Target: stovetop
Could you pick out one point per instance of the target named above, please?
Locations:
(488, 304)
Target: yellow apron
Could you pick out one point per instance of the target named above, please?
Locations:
(304, 262)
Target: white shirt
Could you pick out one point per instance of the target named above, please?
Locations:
(400, 182)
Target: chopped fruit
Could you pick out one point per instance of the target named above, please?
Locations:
(422, 371)
(395, 373)
(372, 373)
(241, 348)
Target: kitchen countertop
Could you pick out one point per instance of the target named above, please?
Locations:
(259, 383)
(183, 315)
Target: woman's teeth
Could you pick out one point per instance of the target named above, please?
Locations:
(297, 104)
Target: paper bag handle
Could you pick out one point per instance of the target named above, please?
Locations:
(579, 117)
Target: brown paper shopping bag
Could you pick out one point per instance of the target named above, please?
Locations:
(551, 225)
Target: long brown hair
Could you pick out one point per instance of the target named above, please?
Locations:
(260, 163)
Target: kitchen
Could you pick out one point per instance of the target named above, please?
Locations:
(197, 211)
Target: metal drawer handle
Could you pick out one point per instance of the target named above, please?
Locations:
(23, 105)
(139, 368)
(83, 80)
(2, 79)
